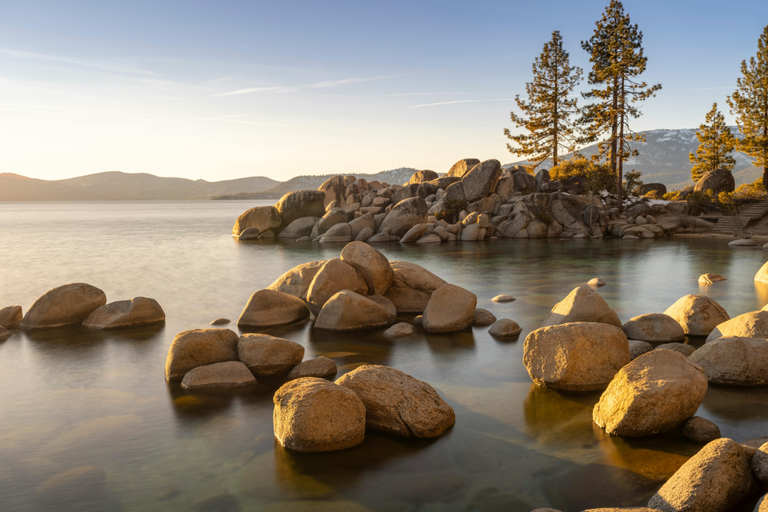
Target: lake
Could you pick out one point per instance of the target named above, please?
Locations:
(72, 398)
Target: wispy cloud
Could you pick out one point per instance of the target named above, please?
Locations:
(347, 81)
(297, 88)
(457, 101)
(251, 90)
(101, 66)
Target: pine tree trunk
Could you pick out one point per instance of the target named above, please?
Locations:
(613, 129)
(620, 166)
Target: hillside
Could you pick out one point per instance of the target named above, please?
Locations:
(664, 158)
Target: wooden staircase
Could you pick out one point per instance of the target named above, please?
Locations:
(747, 214)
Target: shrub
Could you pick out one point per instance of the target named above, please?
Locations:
(671, 196)
(632, 182)
(654, 194)
(698, 203)
(598, 176)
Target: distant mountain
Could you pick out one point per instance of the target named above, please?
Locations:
(664, 158)
(116, 186)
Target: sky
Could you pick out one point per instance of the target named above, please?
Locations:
(228, 89)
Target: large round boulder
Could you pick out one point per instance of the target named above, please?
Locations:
(749, 325)
(297, 280)
(762, 274)
(720, 180)
(404, 215)
(422, 177)
(269, 308)
(697, 314)
(397, 403)
(643, 189)
(299, 228)
(10, 317)
(199, 347)
(302, 203)
(653, 394)
(412, 287)
(334, 276)
(330, 219)
(481, 180)
(582, 305)
(63, 306)
(125, 313)
(333, 188)
(734, 361)
(655, 327)
(462, 167)
(350, 311)
(314, 415)
(581, 356)
(263, 218)
(714, 480)
(450, 309)
(268, 356)
(228, 375)
(371, 264)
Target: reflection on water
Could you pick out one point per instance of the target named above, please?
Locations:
(89, 422)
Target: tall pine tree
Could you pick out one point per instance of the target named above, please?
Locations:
(750, 106)
(716, 143)
(616, 54)
(548, 111)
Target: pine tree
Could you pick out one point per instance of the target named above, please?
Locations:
(616, 54)
(716, 143)
(549, 108)
(750, 106)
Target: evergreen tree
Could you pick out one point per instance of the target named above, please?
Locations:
(750, 106)
(616, 54)
(548, 111)
(716, 143)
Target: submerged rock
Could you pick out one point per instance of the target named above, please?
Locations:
(505, 328)
(228, 375)
(63, 306)
(199, 347)
(10, 317)
(314, 415)
(269, 308)
(397, 403)
(125, 313)
(698, 315)
(582, 305)
(268, 356)
(350, 311)
(412, 287)
(318, 367)
(399, 330)
(734, 361)
(450, 309)
(710, 278)
(748, 325)
(483, 317)
(654, 327)
(700, 430)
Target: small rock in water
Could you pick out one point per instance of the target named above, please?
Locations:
(417, 320)
(505, 328)
(399, 330)
(682, 348)
(228, 375)
(765, 246)
(700, 430)
(483, 317)
(743, 242)
(304, 239)
(596, 282)
(268, 356)
(249, 234)
(630, 237)
(220, 321)
(10, 317)
(710, 278)
(4, 333)
(318, 367)
(760, 462)
(638, 348)
(503, 298)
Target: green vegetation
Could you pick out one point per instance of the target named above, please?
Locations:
(716, 143)
(598, 176)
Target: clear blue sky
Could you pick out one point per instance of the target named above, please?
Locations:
(226, 89)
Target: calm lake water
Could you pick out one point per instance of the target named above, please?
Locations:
(77, 399)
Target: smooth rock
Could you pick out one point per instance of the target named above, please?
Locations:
(220, 321)
(596, 282)
(270, 308)
(503, 298)
(302, 203)
(749, 325)
(638, 348)
(462, 167)
(386, 304)
(268, 356)
(697, 314)
(654, 327)
(350, 311)
(742, 242)
(582, 305)
(762, 274)
(125, 313)
(371, 264)
(414, 233)
(481, 180)
(338, 233)
(364, 234)
(397, 403)
(504, 328)
(318, 367)
(63, 306)
(412, 287)
(653, 394)
(700, 430)
(327, 221)
(399, 330)
(297, 280)
(333, 188)
(681, 348)
(262, 218)
(483, 317)
(199, 347)
(404, 215)
(334, 276)
(249, 234)
(314, 415)
(299, 228)
(450, 309)
(422, 177)
(10, 317)
(760, 463)
(710, 278)
(4, 333)
(734, 361)
(429, 239)
(228, 375)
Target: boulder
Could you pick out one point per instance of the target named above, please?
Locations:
(220, 321)
(481, 180)
(364, 235)
(581, 356)
(523, 182)
(350, 311)
(365, 221)
(299, 228)
(386, 304)
(250, 234)
(541, 178)
(318, 367)
(680, 348)
(710, 278)
(713, 480)
(462, 167)
(334, 276)
(397, 403)
(582, 305)
(414, 233)
(596, 282)
(199, 347)
(270, 308)
(697, 314)
(505, 328)
(762, 505)
(404, 215)
(749, 325)
(412, 287)
(429, 239)
(399, 330)
(329, 220)
(10, 317)
(125, 313)
(638, 348)
(302, 203)
(63, 306)
(314, 415)
(700, 430)
(297, 280)
(371, 264)
(503, 298)
(262, 218)
(762, 274)
(734, 361)
(720, 180)
(4, 333)
(340, 233)
(268, 356)
(654, 327)
(482, 317)
(648, 187)
(333, 188)
(760, 463)
(228, 375)
(653, 394)
(422, 177)
(450, 309)
(743, 242)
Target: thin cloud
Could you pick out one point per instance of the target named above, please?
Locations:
(251, 90)
(458, 101)
(101, 66)
(346, 81)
